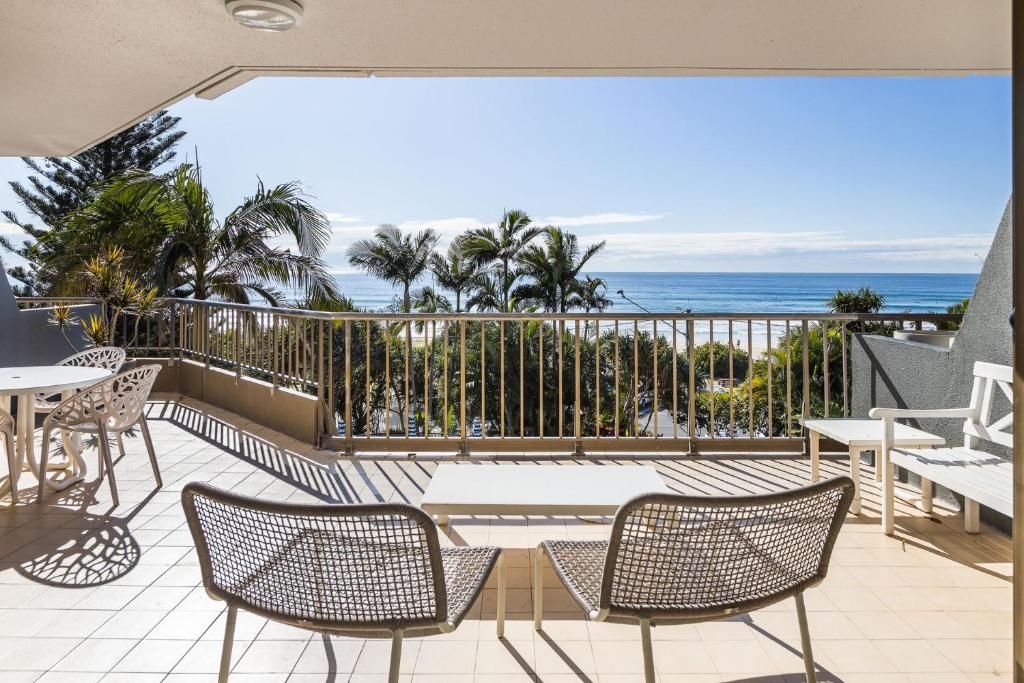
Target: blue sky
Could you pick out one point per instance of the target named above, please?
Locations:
(694, 174)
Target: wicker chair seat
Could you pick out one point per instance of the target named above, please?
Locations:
(466, 569)
(580, 565)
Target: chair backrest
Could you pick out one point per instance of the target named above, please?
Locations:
(117, 402)
(109, 357)
(369, 567)
(987, 378)
(678, 556)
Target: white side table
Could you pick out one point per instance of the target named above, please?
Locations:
(860, 435)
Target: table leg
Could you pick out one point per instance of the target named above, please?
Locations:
(815, 473)
(926, 495)
(27, 409)
(442, 520)
(855, 475)
(11, 485)
(26, 447)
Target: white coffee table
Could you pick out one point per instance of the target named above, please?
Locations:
(860, 435)
(25, 383)
(536, 489)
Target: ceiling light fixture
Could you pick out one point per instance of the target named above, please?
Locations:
(265, 15)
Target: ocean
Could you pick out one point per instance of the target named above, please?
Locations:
(734, 292)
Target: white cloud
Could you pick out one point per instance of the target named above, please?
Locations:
(10, 229)
(601, 219)
(659, 249)
(335, 217)
(681, 249)
(343, 236)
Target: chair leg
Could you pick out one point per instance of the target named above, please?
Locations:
(805, 639)
(120, 445)
(144, 427)
(538, 588)
(501, 594)
(888, 497)
(43, 457)
(645, 638)
(104, 444)
(229, 640)
(396, 656)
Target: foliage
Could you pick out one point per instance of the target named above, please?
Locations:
(959, 308)
(63, 318)
(863, 300)
(106, 278)
(398, 258)
(455, 271)
(169, 220)
(500, 248)
(61, 185)
(554, 270)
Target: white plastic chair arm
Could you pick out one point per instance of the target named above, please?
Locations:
(962, 413)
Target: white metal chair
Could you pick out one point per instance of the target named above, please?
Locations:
(112, 406)
(982, 477)
(109, 357)
(7, 433)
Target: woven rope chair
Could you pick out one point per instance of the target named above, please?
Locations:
(675, 559)
(112, 406)
(367, 571)
(7, 435)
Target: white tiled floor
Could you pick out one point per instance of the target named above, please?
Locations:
(90, 593)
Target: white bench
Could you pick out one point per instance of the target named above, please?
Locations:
(980, 477)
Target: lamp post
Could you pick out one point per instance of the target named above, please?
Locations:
(645, 310)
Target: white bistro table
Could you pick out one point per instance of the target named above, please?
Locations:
(25, 383)
(536, 489)
(860, 435)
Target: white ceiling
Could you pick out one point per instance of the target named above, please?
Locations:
(73, 72)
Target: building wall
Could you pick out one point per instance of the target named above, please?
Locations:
(284, 410)
(27, 338)
(893, 373)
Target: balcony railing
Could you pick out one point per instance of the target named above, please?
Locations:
(535, 381)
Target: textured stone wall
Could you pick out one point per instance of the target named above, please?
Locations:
(892, 373)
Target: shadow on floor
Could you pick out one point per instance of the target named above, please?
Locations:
(322, 482)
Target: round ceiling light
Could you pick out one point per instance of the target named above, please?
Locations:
(265, 15)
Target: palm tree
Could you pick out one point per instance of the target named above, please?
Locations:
(395, 257)
(502, 247)
(429, 300)
(590, 296)
(554, 269)
(454, 271)
(169, 220)
(484, 293)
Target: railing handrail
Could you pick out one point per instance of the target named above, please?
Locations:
(429, 378)
(542, 316)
